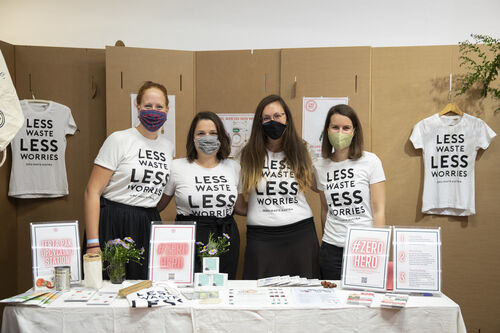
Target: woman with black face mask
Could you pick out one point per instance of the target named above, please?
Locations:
(276, 168)
(205, 186)
(128, 178)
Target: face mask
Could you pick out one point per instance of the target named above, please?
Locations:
(208, 144)
(339, 140)
(273, 129)
(152, 120)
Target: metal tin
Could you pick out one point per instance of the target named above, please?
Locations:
(62, 277)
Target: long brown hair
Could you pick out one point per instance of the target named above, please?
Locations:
(225, 142)
(253, 155)
(356, 147)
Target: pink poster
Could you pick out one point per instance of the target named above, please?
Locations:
(54, 244)
(366, 257)
(172, 253)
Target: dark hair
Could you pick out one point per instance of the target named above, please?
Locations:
(253, 155)
(225, 142)
(356, 147)
(150, 84)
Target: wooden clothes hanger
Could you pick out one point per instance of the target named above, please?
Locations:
(451, 107)
(37, 101)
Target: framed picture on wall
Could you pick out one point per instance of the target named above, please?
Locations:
(54, 244)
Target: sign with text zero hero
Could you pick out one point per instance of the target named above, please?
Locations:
(366, 255)
(171, 255)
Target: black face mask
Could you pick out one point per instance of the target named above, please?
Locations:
(273, 129)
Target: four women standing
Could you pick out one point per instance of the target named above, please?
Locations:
(276, 169)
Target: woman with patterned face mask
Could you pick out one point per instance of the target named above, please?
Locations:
(351, 184)
(128, 179)
(205, 186)
(276, 169)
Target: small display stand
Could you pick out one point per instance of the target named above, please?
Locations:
(171, 255)
(210, 278)
(366, 256)
(54, 244)
(417, 260)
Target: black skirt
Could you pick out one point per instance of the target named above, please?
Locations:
(228, 262)
(117, 220)
(286, 250)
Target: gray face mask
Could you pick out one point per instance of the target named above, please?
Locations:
(208, 144)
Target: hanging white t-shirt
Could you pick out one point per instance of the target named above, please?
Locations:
(450, 145)
(346, 186)
(277, 200)
(141, 167)
(203, 191)
(38, 151)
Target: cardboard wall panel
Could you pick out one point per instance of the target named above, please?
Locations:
(327, 72)
(8, 241)
(235, 82)
(63, 75)
(410, 84)
(128, 68)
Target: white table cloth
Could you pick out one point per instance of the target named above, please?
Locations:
(422, 314)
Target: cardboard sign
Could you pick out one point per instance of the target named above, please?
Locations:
(366, 255)
(417, 260)
(54, 244)
(171, 254)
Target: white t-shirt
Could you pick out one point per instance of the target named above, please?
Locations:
(38, 151)
(141, 167)
(346, 186)
(277, 200)
(450, 145)
(203, 191)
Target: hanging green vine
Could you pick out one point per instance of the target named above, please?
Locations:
(482, 64)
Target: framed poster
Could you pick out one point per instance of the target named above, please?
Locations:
(366, 257)
(238, 126)
(54, 244)
(314, 111)
(171, 253)
(417, 260)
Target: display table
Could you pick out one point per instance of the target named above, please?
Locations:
(422, 314)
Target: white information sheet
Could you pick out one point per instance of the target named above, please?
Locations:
(314, 111)
(54, 244)
(417, 260)
(238, 126)
(316, 297)
(366, 255)
(168, 129)
(171, 253)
